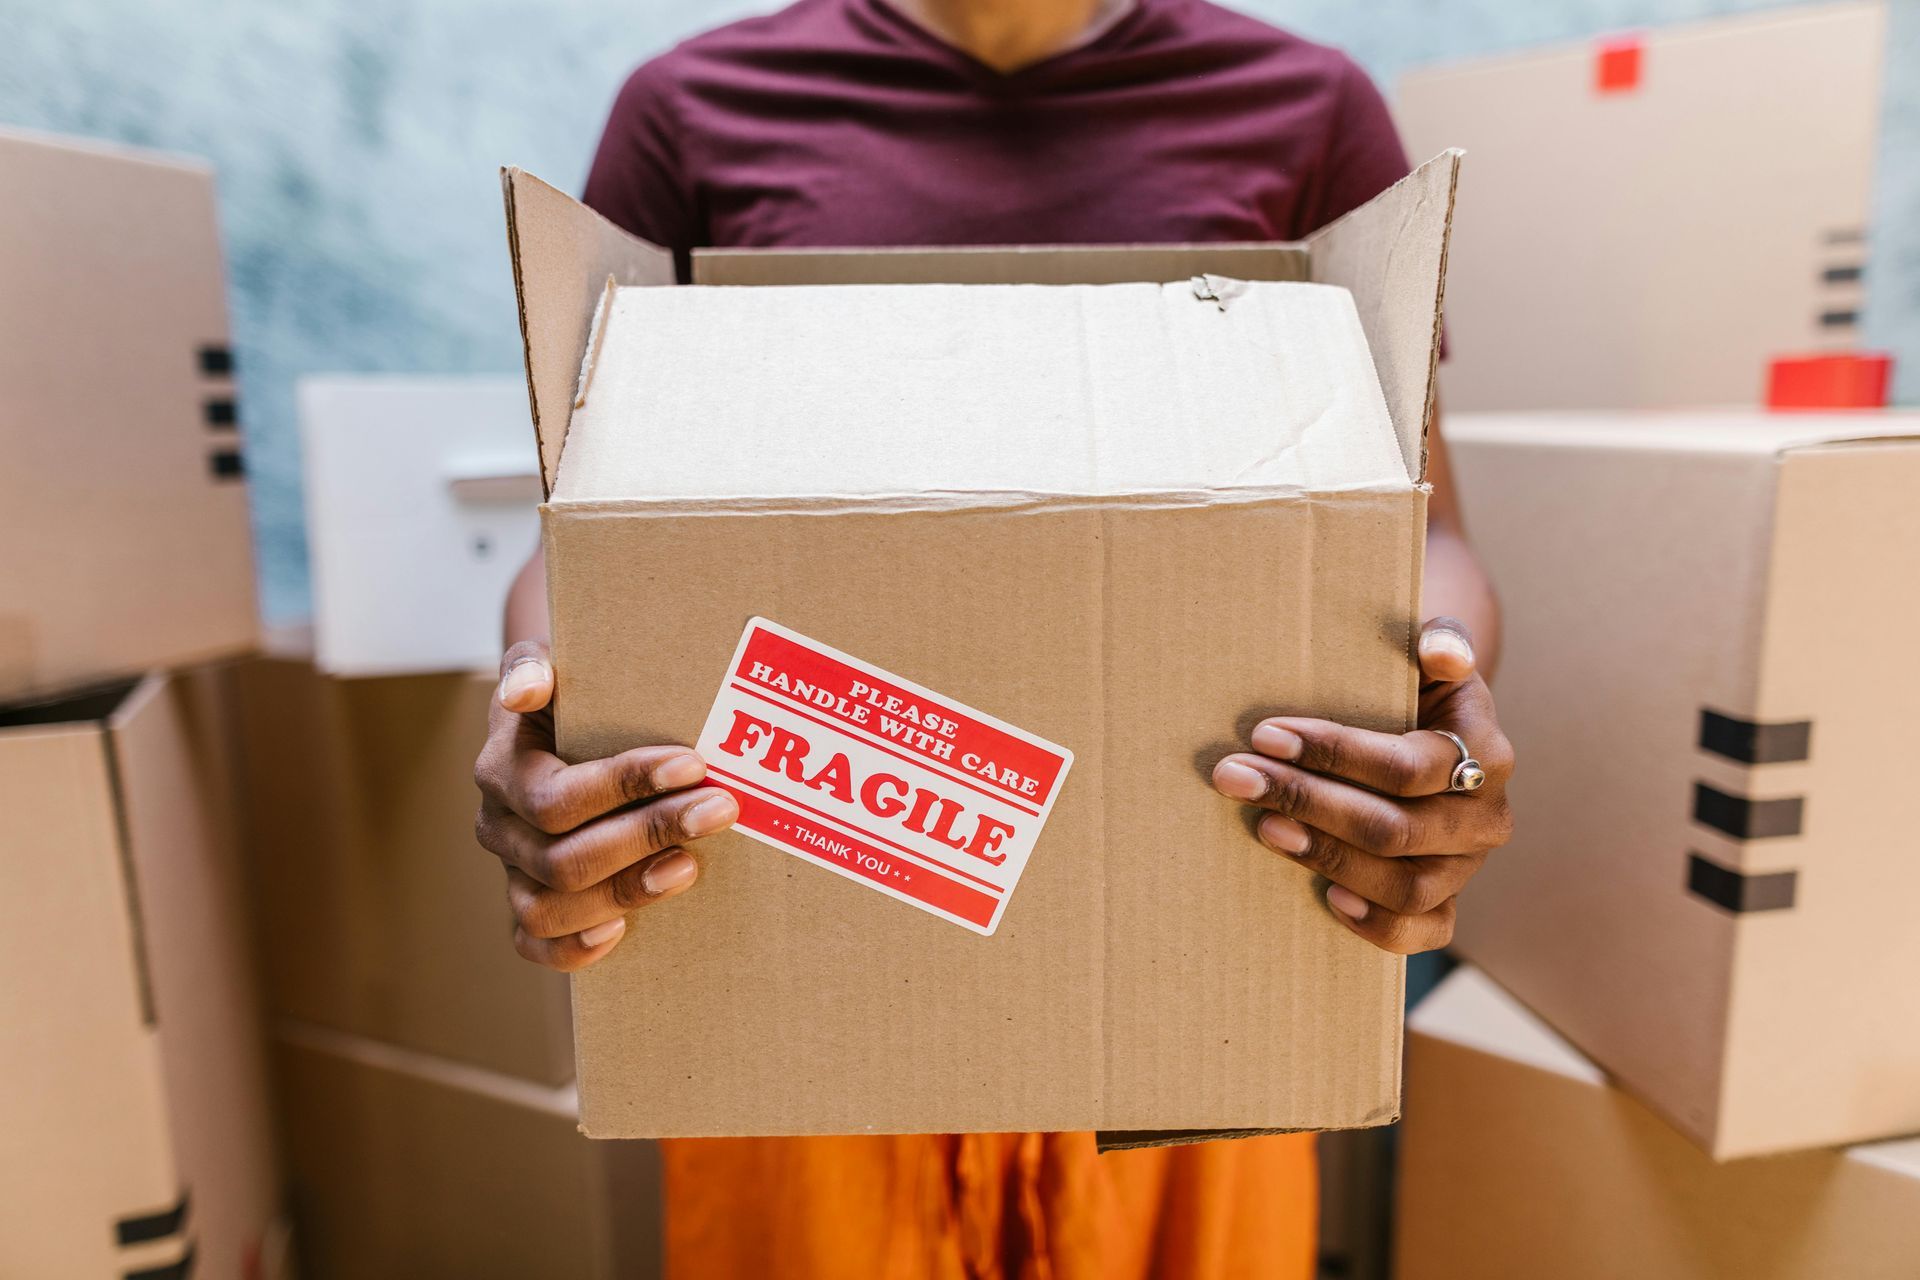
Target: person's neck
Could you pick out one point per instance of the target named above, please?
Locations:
(1010, 34)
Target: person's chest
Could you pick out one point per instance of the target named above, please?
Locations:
(824, 164)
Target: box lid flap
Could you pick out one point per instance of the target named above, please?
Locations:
(1738, 431)
(1470, 1010)
(1391, 253)
(563, 253)
(943, 394)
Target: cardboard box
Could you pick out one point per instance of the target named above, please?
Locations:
(379, 914)
(1652, 220)
(135, 1130)
(1517, 1158)
(1709, 682)
(124, 542)
(412, 557)
(996, 496)
(406, 1165)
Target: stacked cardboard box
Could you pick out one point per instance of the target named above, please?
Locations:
(410, 1165)
(1520, 1159)
(425, 1070)
(136, 1135)
(1654, 219)
(1708, 679)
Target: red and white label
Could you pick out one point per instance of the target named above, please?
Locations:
(877, 778)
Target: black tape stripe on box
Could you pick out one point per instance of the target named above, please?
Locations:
(1754, 742)
(228, 464)
(1745, 819)
(1725, 887)
(152, 1226)
(1839, 319)
(222, 413)
(167, 1270)
(216, 362)
(1842, 275)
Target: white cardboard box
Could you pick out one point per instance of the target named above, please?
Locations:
(422, 498)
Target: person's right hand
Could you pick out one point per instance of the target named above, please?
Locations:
(583, 844)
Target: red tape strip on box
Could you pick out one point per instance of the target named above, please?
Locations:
(1841, 380)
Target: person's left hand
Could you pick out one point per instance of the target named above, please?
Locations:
(1372, 811)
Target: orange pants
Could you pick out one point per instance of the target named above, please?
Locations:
(988, 1207)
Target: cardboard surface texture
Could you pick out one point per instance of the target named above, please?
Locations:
(996, 493)
(411, 557)
(379, 914)
(124, 541)
(1517, 1158)
(135, 1129)
(1708, 681)
(1650, 230)
(405, 1166)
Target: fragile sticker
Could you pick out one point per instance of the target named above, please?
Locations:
(879, 779)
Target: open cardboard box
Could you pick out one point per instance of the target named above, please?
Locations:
(1178, 488)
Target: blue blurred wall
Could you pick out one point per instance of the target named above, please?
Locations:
(358, 146)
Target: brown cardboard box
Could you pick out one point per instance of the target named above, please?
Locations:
(409, 1166)
(379, 914)
(1518, 1160)
(1709, 679)
(1651, 221)
(124, 542)
(999, 490)
(135, 1129)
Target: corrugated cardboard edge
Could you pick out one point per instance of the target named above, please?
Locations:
(563, 253)
(1391, 254)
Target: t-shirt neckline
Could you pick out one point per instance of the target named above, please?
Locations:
(936, 46)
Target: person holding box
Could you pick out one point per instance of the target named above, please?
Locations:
(949, 122)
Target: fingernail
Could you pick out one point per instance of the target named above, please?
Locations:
(681, 771)
(1346, 902)
(710, 815)
(669, 873)
(1231, 778)
(1285, 834)
(1272, 740)
(1449, 643)
(601, 934)
(521, 679)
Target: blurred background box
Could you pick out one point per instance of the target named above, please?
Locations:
(422, 504)
(406, 1166)
(124, 541)
(1518, 1159)
(1648, 222)
(135, 1127)
(379, 914)
(1709, 674)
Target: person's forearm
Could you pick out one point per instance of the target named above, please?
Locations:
(526, 612)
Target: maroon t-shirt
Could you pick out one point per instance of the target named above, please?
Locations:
(845, 123)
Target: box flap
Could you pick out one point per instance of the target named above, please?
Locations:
(563, 253)
(945, 394)
(1002, 264)
(1469, 1009)
(1392, 254)
(1747, 431)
